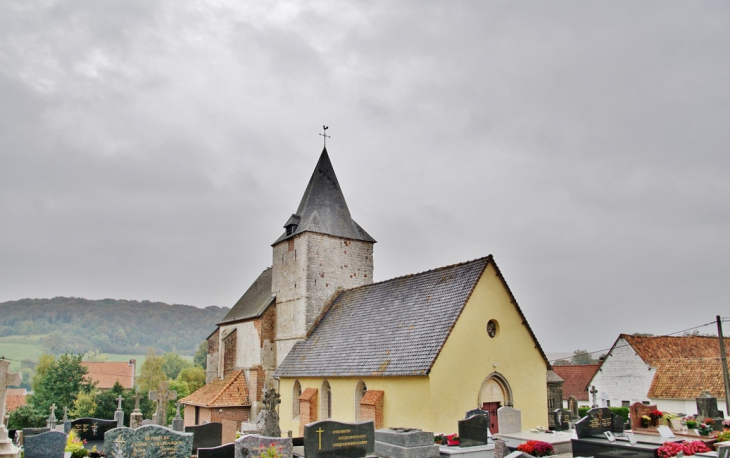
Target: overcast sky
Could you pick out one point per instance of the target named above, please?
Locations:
(154, 149)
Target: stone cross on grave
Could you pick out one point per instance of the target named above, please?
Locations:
(65, 414)
(6, 379)
(136, 398)
(594, 392)
(162, 396)
(119, 401)
(51, 421)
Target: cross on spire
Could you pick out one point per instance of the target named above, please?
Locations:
(325, 135)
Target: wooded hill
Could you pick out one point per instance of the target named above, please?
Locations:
(109, 325)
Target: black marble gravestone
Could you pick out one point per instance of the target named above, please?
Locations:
(561, 419)
(223, 451)
(91, 430)
(332, 439)
(597, 421)
(207, 435)
(474, 431)
(473, 412)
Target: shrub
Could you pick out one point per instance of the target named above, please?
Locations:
(621, 411)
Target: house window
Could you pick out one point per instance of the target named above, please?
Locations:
(625, 404)
(296, 392)
(646, 403)
(360, 390)
(325, 402)
(608, 403)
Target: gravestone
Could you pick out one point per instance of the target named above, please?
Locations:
(638, 410)
(509, 420)
(253, 445)
(162, 396)
(91, 430)
(207, 435)
(597, 421)
(177, 422)
(707, 408)
(151, 441)
(500, 449)
(331, 439)
(594, 395)
(561, 419)
(51, 421)
(228, 436)
(119, 413)
(136, 418)
(7, 449)
(474, 431)
(223, 451)
(271, 417)
(573, 407)
(405, 443)
(50, 444)
(473, 412)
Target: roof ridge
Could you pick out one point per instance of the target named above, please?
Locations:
(450, 266)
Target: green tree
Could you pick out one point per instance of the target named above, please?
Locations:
(85, 404)
(172, 364)
(193, 376)
(201, 355)
(582, 357)
(27, 417)
(58, 381)
(106, 401)
(151, 373)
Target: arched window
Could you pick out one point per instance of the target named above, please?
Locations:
(360, 390)
(325, 401)
(296, 392)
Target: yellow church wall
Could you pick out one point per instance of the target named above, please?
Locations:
(470, 356)
(438, 401)
(405, 399)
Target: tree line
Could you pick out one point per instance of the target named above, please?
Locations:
(61, 380)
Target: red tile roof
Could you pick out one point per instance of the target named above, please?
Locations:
(107, 373)
(652, 349)
(15, 398)
(576, 379)
(231, 391)
(686, 378)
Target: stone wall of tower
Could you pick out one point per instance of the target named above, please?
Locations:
(308, 270)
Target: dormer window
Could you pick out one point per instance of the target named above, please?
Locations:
(291, 225)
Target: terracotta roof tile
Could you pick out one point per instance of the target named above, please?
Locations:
(576, 379)
(15, 398)
(652, 349)
(686, 378)
(230, 391)
(106, 373)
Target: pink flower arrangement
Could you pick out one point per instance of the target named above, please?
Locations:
(536, 448)
(670, 449)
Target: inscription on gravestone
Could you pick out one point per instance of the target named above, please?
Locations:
(331, 439)
(509, 420)
(561, 419)
(597, 421)
(474, 431)
(147, 442)
(89, 429)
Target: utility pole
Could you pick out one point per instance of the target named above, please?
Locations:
(723, 362)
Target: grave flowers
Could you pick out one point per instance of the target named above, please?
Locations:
(723, 436)
(706, 427)
(536, 448)
(645, 420)
(75, 446)
(452, 439)
(691, 424)
(670, 449)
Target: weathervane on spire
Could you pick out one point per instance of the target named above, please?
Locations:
(325, 135)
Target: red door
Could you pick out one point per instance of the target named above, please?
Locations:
(492, 407)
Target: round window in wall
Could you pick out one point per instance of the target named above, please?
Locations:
(492, 328)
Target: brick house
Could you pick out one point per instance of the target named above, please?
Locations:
(577, 378)
(667, 371)
(418, 350)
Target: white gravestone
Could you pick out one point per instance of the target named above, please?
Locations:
(509, 420)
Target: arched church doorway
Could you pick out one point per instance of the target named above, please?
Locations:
(495, 393)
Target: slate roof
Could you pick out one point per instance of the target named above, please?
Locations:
(392, 328)
(686, 378)
(576, 379)
(323, 208)
(107, 373)
(231, 391)
(254, 301)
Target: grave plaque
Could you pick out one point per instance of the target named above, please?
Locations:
(224, 451)
(50, 444)
(207, 435)
(474, 431)
(597, 421)
(332, 439)
(561, 419)
(253, 445)
(147, 442)
(509, 420)
(89, 429)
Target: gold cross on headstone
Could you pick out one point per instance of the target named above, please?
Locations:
(319, 433)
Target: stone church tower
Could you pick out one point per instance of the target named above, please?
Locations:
(322, 251)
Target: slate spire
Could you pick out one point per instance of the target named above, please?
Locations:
(323, 208)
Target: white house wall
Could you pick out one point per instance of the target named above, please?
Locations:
(624, 376)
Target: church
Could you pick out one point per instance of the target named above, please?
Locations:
(415, 351)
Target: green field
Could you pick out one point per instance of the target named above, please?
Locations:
(19, 348)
